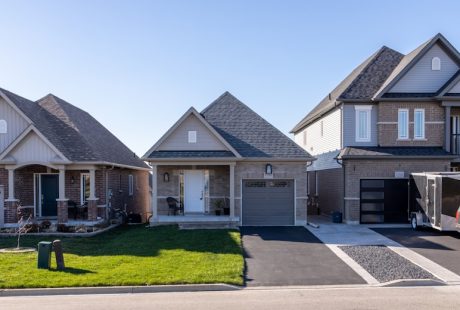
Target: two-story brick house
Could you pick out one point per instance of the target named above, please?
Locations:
(393, 115)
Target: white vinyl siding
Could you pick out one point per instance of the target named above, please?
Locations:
(363, 123)
(33, 149)
(179, 139)
(419, 124)
(330, 140)
(422, 79)
(15, 124)
(403, 124)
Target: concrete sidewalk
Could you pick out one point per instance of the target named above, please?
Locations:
(336, 235)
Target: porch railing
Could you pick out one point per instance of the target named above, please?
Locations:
(455, 143)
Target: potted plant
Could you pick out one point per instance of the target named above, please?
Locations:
(218, 206)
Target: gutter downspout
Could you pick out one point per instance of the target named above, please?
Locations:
(340, 162)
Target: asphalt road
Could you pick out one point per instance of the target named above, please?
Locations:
(441, 247)
(443, 297)
(277, 256)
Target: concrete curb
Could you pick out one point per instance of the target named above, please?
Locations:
(118, 290)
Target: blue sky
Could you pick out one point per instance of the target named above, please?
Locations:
(137, 66)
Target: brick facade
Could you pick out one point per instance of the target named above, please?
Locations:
(219, 181)
(388, 124)
(355, 170)
(115, 179)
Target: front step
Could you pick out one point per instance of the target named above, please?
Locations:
(208, 225)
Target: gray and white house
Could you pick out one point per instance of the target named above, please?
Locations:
(58, 163)
(228, 156)
(393, 115)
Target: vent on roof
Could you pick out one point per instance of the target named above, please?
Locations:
(436, 64)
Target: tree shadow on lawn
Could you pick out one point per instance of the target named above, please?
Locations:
(141, 241)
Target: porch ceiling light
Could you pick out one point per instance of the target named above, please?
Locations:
(166, 177)
(268, 169)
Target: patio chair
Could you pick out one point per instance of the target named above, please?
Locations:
(174, 206)
(78, 210)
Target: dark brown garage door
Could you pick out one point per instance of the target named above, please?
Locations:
(384, 201)
(268, 202)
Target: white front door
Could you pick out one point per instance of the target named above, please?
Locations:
(2, 207)
(194, 191)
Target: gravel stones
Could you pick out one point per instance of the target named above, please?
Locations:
(384, 264)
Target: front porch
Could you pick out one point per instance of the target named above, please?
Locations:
(204, 194)
(62, 194)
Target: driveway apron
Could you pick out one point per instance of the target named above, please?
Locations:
(277, 256)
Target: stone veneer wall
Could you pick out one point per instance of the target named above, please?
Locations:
(356, 170)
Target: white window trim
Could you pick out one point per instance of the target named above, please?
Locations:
(436, 64)
(368, 109)
(130, 185)
(3, 126)
(407, 125)
(422, 137)
(82, 189)
(192, 136)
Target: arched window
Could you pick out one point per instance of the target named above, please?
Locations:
(3, 126)
(435, 64)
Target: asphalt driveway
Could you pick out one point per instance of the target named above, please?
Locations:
(441, 247)
(278, 256)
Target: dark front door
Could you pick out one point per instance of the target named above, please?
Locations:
(50, 192)
(384, 201)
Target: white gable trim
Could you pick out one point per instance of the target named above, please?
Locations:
(24, 134)
(11, 103)
(191, 111)
(449, 49)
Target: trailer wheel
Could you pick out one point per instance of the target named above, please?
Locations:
(413, 222)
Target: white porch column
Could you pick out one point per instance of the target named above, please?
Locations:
(232, 190)
(154, 201)
(62, 184)
(92, 184)
(10, 184)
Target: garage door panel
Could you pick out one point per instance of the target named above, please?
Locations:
(268, 202)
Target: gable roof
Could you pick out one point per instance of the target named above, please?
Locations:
(153, 152)
(412, 58)
(75, 133)
(360, 84)
(375, 76)
(250, 134)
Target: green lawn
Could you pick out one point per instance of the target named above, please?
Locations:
(131, 256)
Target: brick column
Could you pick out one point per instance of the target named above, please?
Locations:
(62, 211)
(92, 209)
(11, 211)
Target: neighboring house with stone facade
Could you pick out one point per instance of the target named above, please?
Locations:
(230, 158)
(54, 156)
(393, 115)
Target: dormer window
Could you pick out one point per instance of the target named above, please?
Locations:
(192, 136)
(436, 64)
(3, 126)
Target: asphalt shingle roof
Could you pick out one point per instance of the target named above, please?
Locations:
(247, 132)
(350, 152)
(362, 83)
(74, 132)
(191, 154)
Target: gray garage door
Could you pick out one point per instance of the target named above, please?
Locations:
(268, 202)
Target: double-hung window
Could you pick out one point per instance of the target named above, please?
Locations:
(419, 124)
(363, 123)
(130, 185)
(403, 124)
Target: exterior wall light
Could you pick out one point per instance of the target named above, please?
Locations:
(166, 177)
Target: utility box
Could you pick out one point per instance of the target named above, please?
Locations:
(44, 254)
(434, 200)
